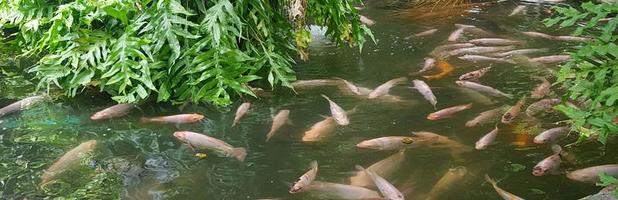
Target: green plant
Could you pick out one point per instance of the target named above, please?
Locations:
(200, 51)
(591, 76)
(607, 180)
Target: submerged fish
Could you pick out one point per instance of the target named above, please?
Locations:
(538, 35)
(21, 104)
(487, 139)
(445, 70)
(199, 141)
(387, 189)
(308, 84)
(493, 41)
(551, 59)
(474, 75)
(517, 10)
(542, 89)
(571, 39)
(448, 112)
(428, 64)
(551, 135)
(117, 110)
(320, 130)
(591, 174)
(503, 193)
(475, 30)
(242, 109)
(540, 106)
(350, 86)
(385, 168)
(424, 89)
(519, 52)
(479, 50)
(447, 182)
(326, 190)
(306, 179)
(439, 141)
(67, 161)
(513, 112)
(479, 58)
(337, 112)
(385, 87)
(486, 117)
(441, 51)
(424, 33)
(392, 143)
(173, 119)
(455, 35)
(550, 164)
(482, 88)
(366, 21)
(278, 121)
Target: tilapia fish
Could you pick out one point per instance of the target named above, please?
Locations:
(385, 87)
(423, 34)
(550, 164)
(591, 174)
(487, 139)
(392, 143)
(326, 190)
(542, 89)
(385, 168)
(455, 35)
(448, 112)
(337, 112)
(241, 111)
(428, 65)
(118, 110)
(479, 50)
(21, 104)
(386, 188)
(479, 58)
(551, 59)
(551, 135)
(320, 130)
(67, 161)
(541, 106)
(493, 41)
(173, 119)
(513, 112)
(199, 141)
(424, 89)
(503, 193)
(447, 182)
(309, 84)
(278, 121)
(486, 117)
(474, 75)
(305, 180)
(483, 88)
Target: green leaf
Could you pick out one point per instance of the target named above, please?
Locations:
(141, 91)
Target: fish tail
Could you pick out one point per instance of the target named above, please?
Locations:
(468, 106)
(325, 97)
(239, 153)
(144, 120)
(490, 180)
(234, 123)
(313, 164)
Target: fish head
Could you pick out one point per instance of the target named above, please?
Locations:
(196, 117)
(433, 116)
(368, 144)
(460, 83)
(181, 135)
(91, 144)
(296, 188)
(539, 140)
(540, 170)
(99, 115)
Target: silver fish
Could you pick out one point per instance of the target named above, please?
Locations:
(479, 50)
(117, 110)
(540, 106)
(424, 89)
(326, 190)
(386, 188)
(392, 143)
(66, 161)
(278, 121)
(385, 87)
(551, 135)
(366, 21)
(550, 164)
(571, 39)
(426, 33)
(338, 113)
(305, 180)
(503, 193)
(474, 75)
(455, 35)
(493, 41)
(487, 139)
(519, 52)
(21, 104)
(538, 35)
(551, 59)
(242, 109)
(475, 30)
(428, 64)
(350, 86)
(385, 168)
(173, 119)
(591, 174)
(320, 130)
(542, 89)
(486, 117)
(482, 88)
(513, 112)
(309, 84)
(448, 112)
(517, 10)
(447, 182)
(479, 58)
(199, 141)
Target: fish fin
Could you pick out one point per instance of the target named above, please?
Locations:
(434, 107)
(490, 180)
(313, 164)
(234, 123)
(144, 120)
(289, 122)
(239, 153)
(352, 111)
(556, 149)
(269, 135)
(325, 97)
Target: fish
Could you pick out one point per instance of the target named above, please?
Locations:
(278, 121)
(445, 70)
(551, 135)
(423, 34)
(385, 87)
(486, 117)
(447, 182)
(439, 51)
(424, 89)
(241, 111)
(542, 89)
(487, 139)
(21, 105)
(386, 99)
(540, 106)
(482, 88)
(517, 10)
(479, 50)
(320, 130)
(591, 174)
(306, 179)
(337, 112)
(117, 110)
(475, 96)
(475, 30)
(392, 143)
(448, 112)
(67, 161)
(350, 86)
(197, 141)
(385, 168)
(366, 20)
(438, 141)
(493, 41)
(551, 59)
(479, 58)
(519, 52)
(550, 164)
(571, 39)
(326, 190)
(316, 83)
(428, 65)
(173, 119)
(513, 112)
(455, 35)
(387, 189)
(538, 35)
(474, 75)
(503, 193)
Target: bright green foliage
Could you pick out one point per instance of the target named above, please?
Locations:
(591, 76)
(200, 51)
(607, 180)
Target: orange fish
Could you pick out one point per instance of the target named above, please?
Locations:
(445, 70)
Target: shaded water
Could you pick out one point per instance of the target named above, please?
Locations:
(155, 165)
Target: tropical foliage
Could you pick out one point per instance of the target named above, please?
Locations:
(199, 51)
(591, 76)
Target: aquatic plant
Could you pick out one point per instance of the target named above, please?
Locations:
(199, 51)
(591, 76)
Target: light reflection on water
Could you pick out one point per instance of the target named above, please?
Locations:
(167, 169)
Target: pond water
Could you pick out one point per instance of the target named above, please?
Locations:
(155, 165)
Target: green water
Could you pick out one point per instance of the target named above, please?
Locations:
(151, 164)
